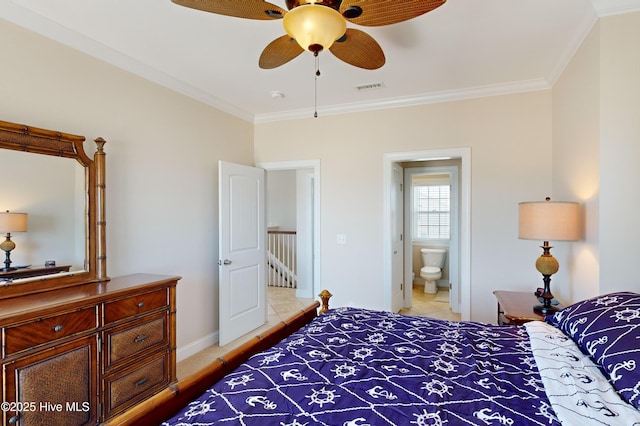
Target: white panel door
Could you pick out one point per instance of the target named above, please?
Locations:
(397, 257)
(242, 262)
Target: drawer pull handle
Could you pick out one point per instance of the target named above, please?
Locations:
(140, 339)
(13, 420)
(141, 382)
(58, 328)
(140, 304)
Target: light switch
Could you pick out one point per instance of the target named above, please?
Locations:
(341, 239)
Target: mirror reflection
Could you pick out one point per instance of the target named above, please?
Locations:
(50, 190)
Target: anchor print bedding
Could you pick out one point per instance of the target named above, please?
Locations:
(357, 367)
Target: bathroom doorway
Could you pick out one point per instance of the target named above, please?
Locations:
(431, 221)
(391, 161)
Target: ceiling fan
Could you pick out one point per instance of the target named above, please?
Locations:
(316, 25)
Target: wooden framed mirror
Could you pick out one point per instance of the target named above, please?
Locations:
(53, 186)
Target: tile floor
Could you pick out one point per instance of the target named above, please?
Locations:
(425, 305)
(282, 304)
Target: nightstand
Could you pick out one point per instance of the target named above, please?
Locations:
(516, 307)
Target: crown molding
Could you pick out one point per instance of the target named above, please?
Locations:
(423, 99)
(581, 33)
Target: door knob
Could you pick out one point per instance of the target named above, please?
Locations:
(225, 262)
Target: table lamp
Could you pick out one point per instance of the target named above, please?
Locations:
(547, 220)
(11, 222)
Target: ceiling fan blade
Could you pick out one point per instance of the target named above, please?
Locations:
(279, 52)
(374, 13)
(358, 49)
(249, 9)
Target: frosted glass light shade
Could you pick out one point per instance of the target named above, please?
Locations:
(314, 27)
(549, 221)
(13, 222)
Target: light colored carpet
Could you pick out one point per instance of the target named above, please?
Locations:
(442, 296)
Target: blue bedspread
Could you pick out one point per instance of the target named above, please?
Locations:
(359, 367)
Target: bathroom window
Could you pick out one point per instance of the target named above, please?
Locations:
(432, 212)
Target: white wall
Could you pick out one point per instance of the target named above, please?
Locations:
(281, 199)
(305, 232)
(162, 154)
(510, 140)
(576, 169)
(596, 151)
(619, 151)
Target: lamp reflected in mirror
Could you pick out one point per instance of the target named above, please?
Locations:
(11, 222)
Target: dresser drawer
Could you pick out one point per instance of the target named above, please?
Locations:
(48, 330)
(65, 375)
(132, 385)
(135, 305)
(124, 342)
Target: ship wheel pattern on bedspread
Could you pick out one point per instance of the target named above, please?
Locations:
(358, 367)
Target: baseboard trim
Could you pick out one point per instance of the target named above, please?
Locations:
(193, 348)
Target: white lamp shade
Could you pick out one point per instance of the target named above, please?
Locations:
(313, 24)
(13, 222)
(549, 221)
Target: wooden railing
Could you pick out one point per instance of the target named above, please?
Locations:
(281, 259)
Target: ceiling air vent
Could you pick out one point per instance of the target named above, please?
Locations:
(370, 86)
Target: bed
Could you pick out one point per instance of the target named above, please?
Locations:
(361, 367)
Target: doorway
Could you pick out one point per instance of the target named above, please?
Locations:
(391, 162)
(431, 221)
(307, 222)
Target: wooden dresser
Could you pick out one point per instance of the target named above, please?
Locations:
(78, 347)
(82, 354)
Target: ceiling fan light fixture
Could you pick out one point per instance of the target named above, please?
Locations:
(314, 26)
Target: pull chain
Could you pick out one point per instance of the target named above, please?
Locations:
(315, 113)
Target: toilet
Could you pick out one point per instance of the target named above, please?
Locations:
(433, 261)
